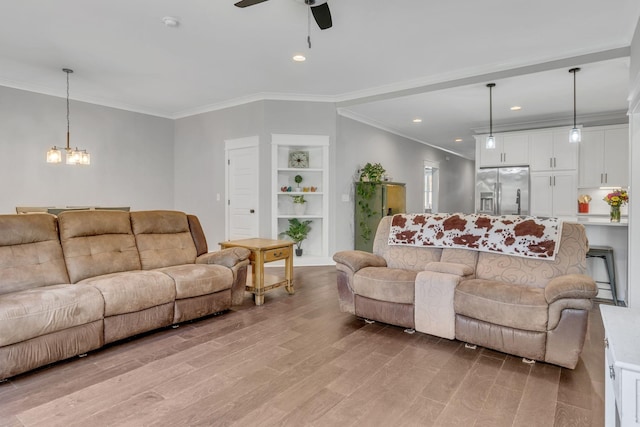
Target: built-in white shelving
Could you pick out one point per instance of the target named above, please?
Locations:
(315, 173)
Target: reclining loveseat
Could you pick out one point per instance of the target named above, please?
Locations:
(532, 303)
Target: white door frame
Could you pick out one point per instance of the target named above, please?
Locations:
(235, 144)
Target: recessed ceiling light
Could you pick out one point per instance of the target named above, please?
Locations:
(299, 58)
(516, 108)
(458, 140)
(170, 21)
(417, 120)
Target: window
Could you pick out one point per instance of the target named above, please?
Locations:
(431, 174)
(428, 189)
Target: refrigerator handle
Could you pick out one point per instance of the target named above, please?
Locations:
(498, 197)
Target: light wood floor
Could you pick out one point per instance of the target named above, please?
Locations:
(299, 361)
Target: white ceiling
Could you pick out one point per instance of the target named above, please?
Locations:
(383, 62)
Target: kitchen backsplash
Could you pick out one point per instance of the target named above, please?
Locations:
(598, 206)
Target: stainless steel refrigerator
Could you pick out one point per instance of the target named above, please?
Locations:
(503, 191)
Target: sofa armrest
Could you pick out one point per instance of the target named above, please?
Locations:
(227, 257)
(570, 286)
(450, 268)
(357, 260)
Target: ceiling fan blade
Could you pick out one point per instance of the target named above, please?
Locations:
(322, 15)
(245, 3)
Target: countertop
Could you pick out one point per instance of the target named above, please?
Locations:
(600, 220)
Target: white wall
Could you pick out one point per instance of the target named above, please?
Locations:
(199, 162)
(148, 162)
(199, 154)
(359, 143)
(131, 155)
(633, 292)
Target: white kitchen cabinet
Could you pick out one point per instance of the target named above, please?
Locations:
(622, 365)
(512, 149)
(553, 193)
(604, 157)
(551, 150)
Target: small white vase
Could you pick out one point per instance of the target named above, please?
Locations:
(299, 208)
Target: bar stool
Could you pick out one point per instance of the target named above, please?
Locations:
(606, 253)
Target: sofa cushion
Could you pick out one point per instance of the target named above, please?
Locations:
(44, 310)
(193, 280)
(97, 243)
(30, 252)
(450, 268)
(402, 257)
(460, 256)
(163, 238)
(570, 259)
(385, 284)
(197, 234)
(132, 291)
(500, 303)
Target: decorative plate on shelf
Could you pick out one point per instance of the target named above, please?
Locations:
(299, 159)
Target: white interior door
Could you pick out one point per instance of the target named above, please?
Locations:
(242, 189)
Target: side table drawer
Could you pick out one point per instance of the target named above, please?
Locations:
(276, 254)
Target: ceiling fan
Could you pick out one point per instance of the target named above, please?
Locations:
(319, 9)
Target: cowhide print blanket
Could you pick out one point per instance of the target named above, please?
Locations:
(525, 236)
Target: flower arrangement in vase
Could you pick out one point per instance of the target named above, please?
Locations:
(616, 199)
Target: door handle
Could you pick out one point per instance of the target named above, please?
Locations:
(252, 211)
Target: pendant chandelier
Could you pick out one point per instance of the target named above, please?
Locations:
(574, 135)
(491, 140)
(74, 156)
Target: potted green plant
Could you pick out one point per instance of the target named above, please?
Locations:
(298, 180)
(372, 172)
(370, 176)
(299, 206)
(298, 231)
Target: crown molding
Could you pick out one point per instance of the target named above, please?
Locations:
(43, 90)
(395, 90)
(476, 75)
(367, 121)
(263, 96)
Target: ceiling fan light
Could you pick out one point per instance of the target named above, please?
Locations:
(575, 136)
(54, 155)
(490, 143)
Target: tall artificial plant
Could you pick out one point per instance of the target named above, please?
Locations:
(370, 176)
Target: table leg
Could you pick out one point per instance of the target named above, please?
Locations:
(288, 273)
(258, 284)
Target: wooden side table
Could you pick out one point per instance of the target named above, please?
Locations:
(262, 252)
